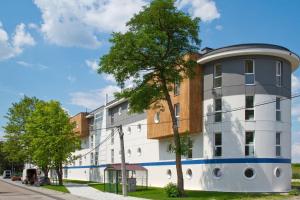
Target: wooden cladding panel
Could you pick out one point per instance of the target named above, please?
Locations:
(81, 127)
(190, 99)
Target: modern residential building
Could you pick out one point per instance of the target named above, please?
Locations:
(237, 111)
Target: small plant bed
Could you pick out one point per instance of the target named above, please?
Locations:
(60, 188)
(159, 193)
(77, 181)
(296, 171)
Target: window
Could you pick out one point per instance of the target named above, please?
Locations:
(218, 110)
(278, 73)
(112, 155)
(218, 76)
(278, 109)
(189, 174)
(157, 117)
(278, 144)
(190, 150)
(249, 110)
(112, 118)
(177, 113)
(92, 158)
(128, 152)
(176, 88)
(120, 110)
(139, 127)
(96, 158)
(139, 151)
(92, 141)
(249, 173)
(249, 143)
(218, 144)
(80, 160)
(129, 129)
(217, 172)
(112, 137)
(277, 172)
(249, 72)
(169, 174)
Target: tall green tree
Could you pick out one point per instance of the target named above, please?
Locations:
(51, 137)
(152, 53)
(15, 147)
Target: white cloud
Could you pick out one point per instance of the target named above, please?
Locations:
(79, 23)
(295, 84)
(31, 65)
(71, 78)
(296, 152)
(219, 27)
(93, 98)
(93, 64)
(19, 40)
(205, 9)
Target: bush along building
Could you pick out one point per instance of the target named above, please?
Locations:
(236, 110)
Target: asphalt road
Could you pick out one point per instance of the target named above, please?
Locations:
(9, 191)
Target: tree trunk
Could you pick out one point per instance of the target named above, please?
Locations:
(59, 173)
(176, 137)
(46, 172)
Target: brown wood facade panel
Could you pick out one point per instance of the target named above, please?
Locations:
(190, 100)
(81, 127)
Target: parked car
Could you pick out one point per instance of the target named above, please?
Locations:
(7, 174)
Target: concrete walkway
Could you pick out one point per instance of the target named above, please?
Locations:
(91, 193)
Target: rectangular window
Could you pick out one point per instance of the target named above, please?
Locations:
(278, 73)
(112, 155)
(249, 143)
(92, 141)
(218, 144)
(249, 108)
(278, 144)
(176, 88)
(190, 150)
(218, 110)
(249, 72)
(177, 113)
(112, 118)
(278, 109)
(218, 76)
(96, 158)
(92, 158)
(112, 137)
(80, 160)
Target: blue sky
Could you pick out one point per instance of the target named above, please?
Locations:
(50, 49)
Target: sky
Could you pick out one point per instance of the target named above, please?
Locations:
(51, 49)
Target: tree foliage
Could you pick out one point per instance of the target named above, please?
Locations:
(153, 52)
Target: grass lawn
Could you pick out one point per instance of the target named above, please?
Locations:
(159, 193)
(77, 181)
(59, 188)
(296, 170)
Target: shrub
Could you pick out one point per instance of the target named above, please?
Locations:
(294, 192)
(172, 190)
(296, 176)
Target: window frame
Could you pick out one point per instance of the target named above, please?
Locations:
(278, 110)
(92, 141)
(112, 156)
(219, 145)
(177, 113)
(96, 157)
(279, 75)
(190, 149)
(248, 145)
(92, 158)
(215, 77)
(112, 118)
(250, 108)
(218, 112)
(176, 88)
(247, 73)
(278, 145)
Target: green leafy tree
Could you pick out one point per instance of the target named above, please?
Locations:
(152, 52)
(17, 116)
(51, 137)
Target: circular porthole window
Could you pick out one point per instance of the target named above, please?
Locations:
(189, 174)
(129, 152)
(139, 151)
(169, 174)
(277, 172)
(217, 172)
(249, 173)
(157, 117)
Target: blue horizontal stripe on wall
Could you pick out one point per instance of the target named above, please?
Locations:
(202, 161)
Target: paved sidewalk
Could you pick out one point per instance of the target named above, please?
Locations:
(43, 193)
(91, 193)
